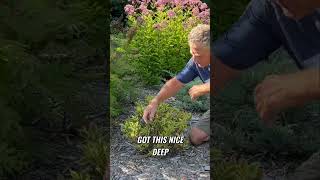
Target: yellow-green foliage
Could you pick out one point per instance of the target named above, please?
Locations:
(79, 176)
(153, 50)
(169, 121)
(95, 150)
(233, 170)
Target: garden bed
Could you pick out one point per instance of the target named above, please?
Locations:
(128, 163)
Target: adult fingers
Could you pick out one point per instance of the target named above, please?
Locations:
(194, 97)
(267, 113)
(268, 81)
(146, 115)
(152, 114)
(191, 90)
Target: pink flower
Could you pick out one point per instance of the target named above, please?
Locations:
(206, 21)
(195, 11)
(146, 1)
(203, 6)
(162, 2)
(129, 9)
(160, 8)
(157, 26)
(171, 14)
(177, 2)
(204, 14)
(144, 9)
(194, 2)
(133, 2)
(184, 2)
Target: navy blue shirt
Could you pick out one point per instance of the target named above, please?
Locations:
(191, 71)
(262, 29)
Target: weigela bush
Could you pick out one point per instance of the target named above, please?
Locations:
(160, 41)
(168, 121)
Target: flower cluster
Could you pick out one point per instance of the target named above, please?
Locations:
(161, 29)
(145, 7)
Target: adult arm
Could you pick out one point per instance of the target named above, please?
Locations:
(169, 89)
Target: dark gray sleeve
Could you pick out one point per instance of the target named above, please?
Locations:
(188, 74)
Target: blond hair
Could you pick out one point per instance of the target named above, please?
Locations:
(200, 34)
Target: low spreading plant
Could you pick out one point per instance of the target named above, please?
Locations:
(184, 101)
(238, 126)
(79, 176)
(95, 149)
(159, 42)
(168, 122)
(233, 169)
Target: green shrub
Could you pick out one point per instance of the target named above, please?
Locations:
(12, 159)
(160, 40)
(231, 169)
(95, 150)
(115, 95)
(79, 176)
(122, 82)
(236, 171)
(20, 100)
(39, 62)
(169, 121)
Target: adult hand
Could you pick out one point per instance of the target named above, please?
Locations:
(150, 112)
(198, 90)
(279, 92)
